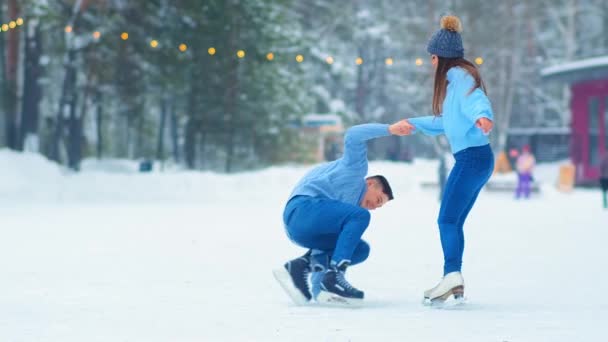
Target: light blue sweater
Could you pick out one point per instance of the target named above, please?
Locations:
(343, 179)
(461, 109)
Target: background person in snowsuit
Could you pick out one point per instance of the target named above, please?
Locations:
(525, 166)
(328, 212)
(464, 114)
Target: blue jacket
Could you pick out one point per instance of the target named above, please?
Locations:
(461, 109)
(343, 179)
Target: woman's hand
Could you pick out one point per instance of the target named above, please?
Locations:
(485, 125)
(401, 128)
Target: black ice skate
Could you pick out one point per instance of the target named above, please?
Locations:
(293, 278)
(335, 289)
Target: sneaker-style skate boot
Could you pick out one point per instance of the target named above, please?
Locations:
(451, 284)
(293, 277)
(335, 289)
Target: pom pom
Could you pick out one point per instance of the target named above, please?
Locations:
(451, 23)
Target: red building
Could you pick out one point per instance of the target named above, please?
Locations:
(588, 80)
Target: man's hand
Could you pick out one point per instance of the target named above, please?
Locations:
(485, 125)
(401, 128)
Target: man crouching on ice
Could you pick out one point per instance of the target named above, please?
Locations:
(328, 212)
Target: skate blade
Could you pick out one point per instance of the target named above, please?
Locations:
(445, 304)
(442, 301)
(284, 279)
(329, 299)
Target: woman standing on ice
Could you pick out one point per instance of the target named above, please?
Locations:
(464, 114)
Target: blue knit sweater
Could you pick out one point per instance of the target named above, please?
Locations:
(343, 179)
(461, 109)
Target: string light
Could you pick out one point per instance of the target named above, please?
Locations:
(19, 21)
(4, 27)
(12, 24)
(389, 61)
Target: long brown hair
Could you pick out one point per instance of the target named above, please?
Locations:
(441, 81)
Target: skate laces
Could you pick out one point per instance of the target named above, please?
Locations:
(340, 279)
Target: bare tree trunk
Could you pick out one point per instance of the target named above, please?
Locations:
(67, 95)
(231, 95)
(360, 92)
(174, 134)
(3, 84)
(99, 120)
(138, 148)
(68, 90)
(202, 149)
(508, 75)
(12, 129)
(190, 144)
(75, 131)
(160, 147)
(192, 126)
(604, 10)
(570, 39)
(32, 92)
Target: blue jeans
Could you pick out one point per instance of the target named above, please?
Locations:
(472, 170)
(332, 229)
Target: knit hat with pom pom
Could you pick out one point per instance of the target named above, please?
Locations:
(447, 41)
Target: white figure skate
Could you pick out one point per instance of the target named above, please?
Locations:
(451, 284)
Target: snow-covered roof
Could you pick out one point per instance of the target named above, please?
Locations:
(581, 68)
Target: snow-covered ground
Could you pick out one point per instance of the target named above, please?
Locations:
(113, 255)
